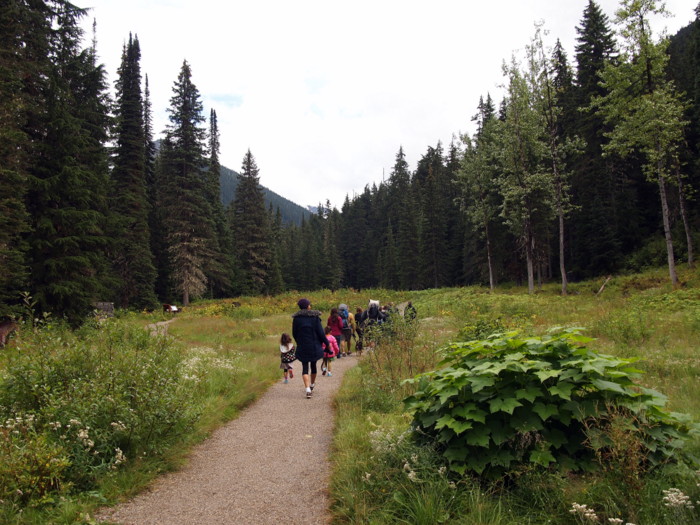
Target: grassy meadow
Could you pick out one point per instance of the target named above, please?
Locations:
(92, 416)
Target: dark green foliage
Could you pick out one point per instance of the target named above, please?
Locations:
(251, 230)
(187, 216)
(68, 184)
(508, 401)
(130, 205)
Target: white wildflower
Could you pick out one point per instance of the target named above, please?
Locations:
(674, 498)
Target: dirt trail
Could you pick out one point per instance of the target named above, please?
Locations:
(268, 466)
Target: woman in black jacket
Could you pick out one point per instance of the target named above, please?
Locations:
(310, 338)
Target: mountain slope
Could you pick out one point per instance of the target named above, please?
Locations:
(292, 213)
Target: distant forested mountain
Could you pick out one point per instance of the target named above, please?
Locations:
(291, 212)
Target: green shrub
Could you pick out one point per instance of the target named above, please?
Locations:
(506, 401)
(95, 397)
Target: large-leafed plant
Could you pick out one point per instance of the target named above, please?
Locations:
(508, 401)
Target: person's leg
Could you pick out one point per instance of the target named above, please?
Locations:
(305, 373)
(313, 373)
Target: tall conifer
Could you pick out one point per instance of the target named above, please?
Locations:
(132, 256)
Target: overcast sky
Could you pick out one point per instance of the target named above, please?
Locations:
(324, 92)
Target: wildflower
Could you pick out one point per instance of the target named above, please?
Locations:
(674, 498)
(614, 520)
(118, 426)
(413, 476)
(55, 425)
(442, 470)
(367, 476)
(583, 511)
(406, 466)
(452, 485)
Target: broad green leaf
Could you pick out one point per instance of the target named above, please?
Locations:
(542, 457)
(504, 405)
(499, 434)
(460, 426)
(546, 374)
(470, 411)
(479, 436)
(529, 393)
(503, 458)
(477, 463)
(601, 384)
(545, 411)
(480, 382)
(526, 422)
(562, 389)
(447, 393)
(556, 437)
(444, 421)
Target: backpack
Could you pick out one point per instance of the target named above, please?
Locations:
(373, 314)
(344, 316)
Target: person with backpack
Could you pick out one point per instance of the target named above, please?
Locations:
(310, 338)
(336, 325)
(359, 330)
(348, 327)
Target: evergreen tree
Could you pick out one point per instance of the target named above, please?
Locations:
(219, 266)
(251, 230)
(186, 210)
(276, 281)
(132, 257)
(68, 185)
(597, 182)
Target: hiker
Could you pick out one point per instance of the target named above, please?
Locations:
(287, 356)
(348, 327)
(310, 338)
(373, 319)
(336, 324)
(329, 353)
(359, 329)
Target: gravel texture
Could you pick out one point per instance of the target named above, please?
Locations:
(270, 465)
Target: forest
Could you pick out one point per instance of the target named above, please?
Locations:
(587, 166)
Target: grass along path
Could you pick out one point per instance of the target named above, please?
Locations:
(270, 465)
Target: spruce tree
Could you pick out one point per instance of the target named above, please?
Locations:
(219, 267)
(251, 230)
(132, 257)
(186, 210)
(68, 186)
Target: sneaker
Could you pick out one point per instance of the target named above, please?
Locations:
(308, 394)
(329, 374)
(285, 381)
(291, 374)
(323, 371)
(312, 386)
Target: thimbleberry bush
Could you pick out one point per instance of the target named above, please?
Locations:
(504, 402)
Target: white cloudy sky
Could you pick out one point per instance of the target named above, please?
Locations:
(324, 92)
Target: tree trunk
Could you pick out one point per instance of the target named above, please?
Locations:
(492, 285)
(186, 297)
(529, 255)
(667, 230)
(686, 225)
(562, 265)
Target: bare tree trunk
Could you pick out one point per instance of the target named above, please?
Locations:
(492, 284)
(562, 265)
(667, 230)
(529, 256)
(686, 225)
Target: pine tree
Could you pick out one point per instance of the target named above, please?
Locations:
(251, 230)
(187, 216)
(132, 257)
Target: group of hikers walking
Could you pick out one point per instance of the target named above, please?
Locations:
(315, 342)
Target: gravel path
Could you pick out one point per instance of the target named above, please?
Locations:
(268, 466)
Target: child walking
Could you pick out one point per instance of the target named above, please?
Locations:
(287, 356)
(329, 353)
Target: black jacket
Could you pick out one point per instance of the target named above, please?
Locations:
(309, 335)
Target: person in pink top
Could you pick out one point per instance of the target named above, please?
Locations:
(329, 353)
(336, 325)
